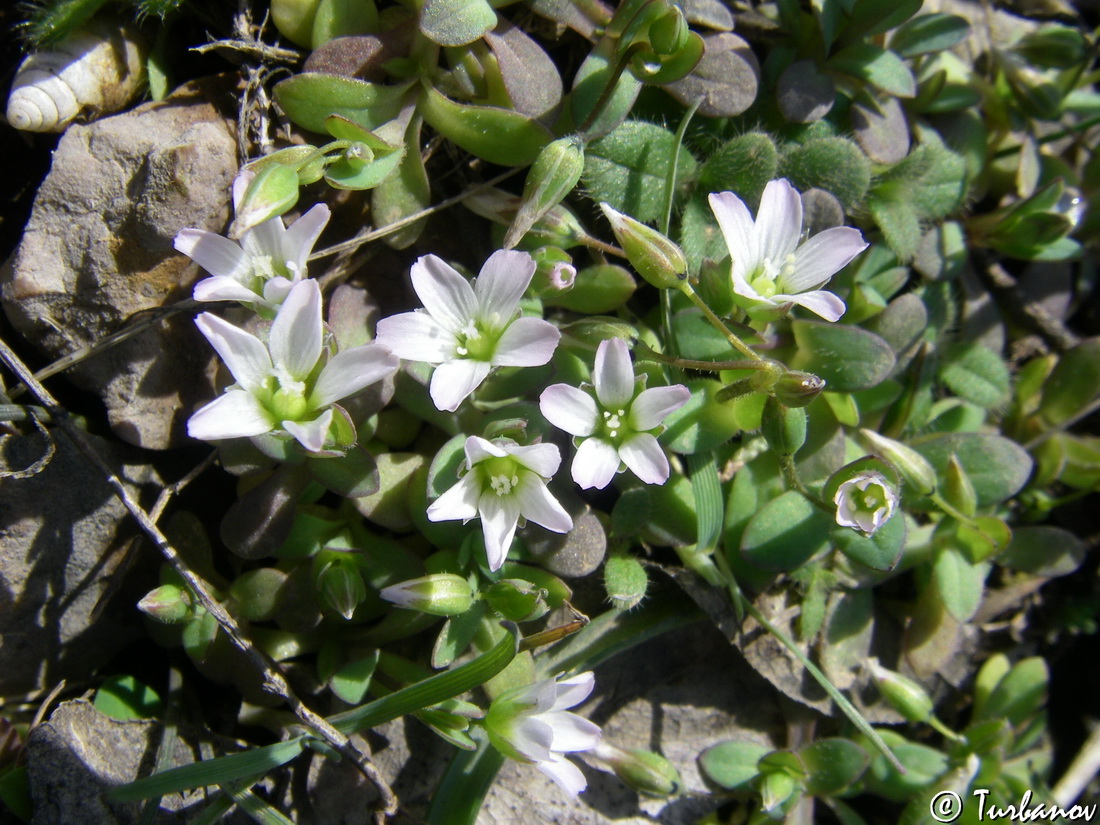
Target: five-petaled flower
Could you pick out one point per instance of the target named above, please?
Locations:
(865, 502)
(532, 724)
(262, 268)
(618, 426)
(468, 330)
(770, 267)
(503, 483)
(282, 385)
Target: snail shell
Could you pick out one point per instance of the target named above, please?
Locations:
(95, 71)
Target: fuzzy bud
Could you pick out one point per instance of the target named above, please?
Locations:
(552, 176)
(169, 604)
(625, 581)
(440, 594)
(653, 256)
(904, 695)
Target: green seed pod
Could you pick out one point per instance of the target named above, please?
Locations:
(784, 427)
(776, 787)
(653, 256)
(646, 772)
(797, 389)
(517, 600)
(438, 594)
(341, 586)
(904, 695)
(168, 604)
(552, 176)
(625, 580)
(272, 191)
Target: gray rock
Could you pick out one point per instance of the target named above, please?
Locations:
(98, 248)
(63, 539)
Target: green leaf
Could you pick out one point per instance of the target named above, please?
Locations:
(1073, 383)
(848, 358)
(1019, 694)
(1044, 550)
(699, 234)
(834, 164)
(997, 467)
(877, 66)
(353, 475)
(259, 810)
(732, 765)
(497, 135)
(959, 583)
(976, 373)
(785, 533)
(881, 551)
(832, 765)
(931, 179)
(702, 423)
(352, 681)
(125, 698)
(345, 175)
(928, 34)
(867, 18)
(455, 636)
(311, 97)
(628, 167)
(743, 165)
(588, 86)
(456, 22)
(922, 767)
(343, 18)
(899, 224)
(15, 792)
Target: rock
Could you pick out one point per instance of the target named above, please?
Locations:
(98, 248)
(63, 537)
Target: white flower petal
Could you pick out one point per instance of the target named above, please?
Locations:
(574, 690)
(311, 434)
(215, 254)
(295, 339)
(303, 234)
(277, 288)
(572, 733)
(595, 464)
(479, 449)
(532, 737)
(240, 186)
(416, 336)
(613, 375)
(565, 774)
(821, 302)
(821, 257)
(453, 381)
(459, 502)
(778, 221)
(223, 288)
(544, 459)
(537, 505)
(527, 342)
(265, 240)
(237, 414)
(652, 406)
(735, 221)
(499, 517)
(644, 456)
(569, 409)
(744, 289)
(501, 283)
(446, 295)
(244, 353)
(351, 370)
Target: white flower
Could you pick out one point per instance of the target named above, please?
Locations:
(262, 268)
(618, 426)
(504, 482)
(865, 502)
(279, 387)
(469, 330)
(770, 267)
(531, 724)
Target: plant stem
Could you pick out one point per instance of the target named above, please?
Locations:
(717, 322)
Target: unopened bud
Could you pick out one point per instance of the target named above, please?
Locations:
(439, 594)
(914, 467)
(358, 155)
(653, 256)
(517, 600)
(272, 191)
(784, 427)
(797, 389)
(669, 33)
(958, 488)
(169, 604)
(646, 772)
(341, 586)
(552, 176)
(776, 787)
(554, 270)
(904, 695)
(625, 580)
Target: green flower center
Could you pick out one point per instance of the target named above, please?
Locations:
(476, 343)
(502, 474)
(613, 425)
(768, 278)
(285, 398)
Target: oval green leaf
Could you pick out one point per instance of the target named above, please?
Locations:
(786, 533)
(848, 358)
(998, 468)
(493, 134)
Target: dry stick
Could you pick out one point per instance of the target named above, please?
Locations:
(1080, 772)
(274, 682)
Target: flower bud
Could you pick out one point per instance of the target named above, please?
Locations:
(625, 580)
(668, 34)
(904, 695)
(272, 191)
(358, 155)
(169, 604)
(776, 787)
(655, 257)
(341, 586)
(797, 389)
(784, 427)
(865, 502)
(958, 489)
(914, 467)
(554, 270)
(517, 600)
(439, 594)
(646, 772)
(552, 176)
